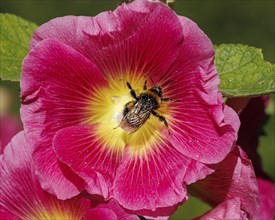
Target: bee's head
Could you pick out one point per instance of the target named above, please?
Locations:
(157, 90)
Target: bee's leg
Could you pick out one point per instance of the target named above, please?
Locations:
(161, 118)
(132, 91)
(145, 85)
(168, 100)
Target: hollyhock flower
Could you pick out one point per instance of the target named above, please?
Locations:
(76, 82)
(233, 182)
(21, 196)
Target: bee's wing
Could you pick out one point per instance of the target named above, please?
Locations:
(127, 127)
(134, 119)
(119, 117)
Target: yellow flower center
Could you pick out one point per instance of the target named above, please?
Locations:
(57, 211)
(106, 109)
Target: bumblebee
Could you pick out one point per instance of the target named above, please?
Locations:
(137, 111)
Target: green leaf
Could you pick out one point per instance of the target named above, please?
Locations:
(14, 37)
(243, 72)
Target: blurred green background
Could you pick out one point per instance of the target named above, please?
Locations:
(245, 22)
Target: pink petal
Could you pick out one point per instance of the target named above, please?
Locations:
(16, 178)
(7, 216)
(161, 174)
(234, 178)
(196, 171)
(193, 63)
(229, 209)
(15, 156)
(152, 181)
(54, 176)
(68, 29)
(59, 72)
(56, 85)
(20, 192)
(79, 142)
(21, 196)
(118, 210)
(132, 39)
(80, 148)
(158, 213)
(202, 127)
(100, 214)
(267, 199)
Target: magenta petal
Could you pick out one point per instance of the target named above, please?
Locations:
(159, 213)
(196, 171)
(132, 39)
(151, 181)
(64, 78)
(7, 216)
(203, 128)
(267, 199)
(118, 210)
(79, 147)
(17, 179)
(198, 135)
(234, 178)
(55, 177)
(56, 86)
(149, 34)
(21, 194)
(100, 214)
(229, 209)
(150, 185)
(68, 29)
